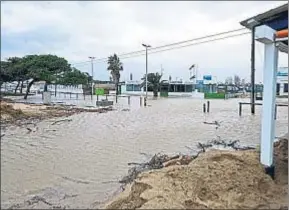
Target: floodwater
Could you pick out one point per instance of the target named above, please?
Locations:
(77, 163)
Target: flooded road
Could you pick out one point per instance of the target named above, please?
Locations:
(77, 163)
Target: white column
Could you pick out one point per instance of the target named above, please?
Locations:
(266, 35)
(269, 101)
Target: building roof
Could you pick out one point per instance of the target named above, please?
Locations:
(276, 19)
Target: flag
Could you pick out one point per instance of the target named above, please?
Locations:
(192, 66)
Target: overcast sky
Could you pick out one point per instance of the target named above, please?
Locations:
(76, 30)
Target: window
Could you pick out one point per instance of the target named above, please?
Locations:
(189, 88)
(286, 88)
(129, 87)
(136, 87)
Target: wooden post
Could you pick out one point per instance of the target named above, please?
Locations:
(204, 108)
(128, 100)
(208, 106)
(240, 108)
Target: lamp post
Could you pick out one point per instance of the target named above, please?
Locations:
(91, 58)
(146, 77)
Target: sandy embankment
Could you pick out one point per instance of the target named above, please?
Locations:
(12, 113)
(216, 179)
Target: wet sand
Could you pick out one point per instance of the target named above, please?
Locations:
(214, 180)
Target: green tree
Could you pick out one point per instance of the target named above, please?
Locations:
(154, 82)
(115, 66)
(5, 74)
(74, 77)
(43, 68)
(17, 71)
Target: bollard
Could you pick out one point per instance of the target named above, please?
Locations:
(70, 95)
(128, 100)
(275, 114)
(106, 97)
(84, 96)
(208, 106)
(76, 95)
(240, 108)
(116, 99)
(97, 98)
(140, 101)
(204, 108)
(145, 101)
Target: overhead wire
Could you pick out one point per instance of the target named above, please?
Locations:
(141, 52)
(173, 48)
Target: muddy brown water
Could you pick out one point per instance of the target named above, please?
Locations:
(77, 163)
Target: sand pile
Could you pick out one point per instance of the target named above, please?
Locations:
(216, 179)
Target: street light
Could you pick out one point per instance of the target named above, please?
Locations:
(92, 58)
(146, 77)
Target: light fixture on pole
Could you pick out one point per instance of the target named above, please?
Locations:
(91, 58)
(190, 69)
(146, 76)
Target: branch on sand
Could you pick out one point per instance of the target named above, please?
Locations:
(159, 161)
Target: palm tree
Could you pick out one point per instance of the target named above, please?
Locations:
(115, 66)
(154, 82)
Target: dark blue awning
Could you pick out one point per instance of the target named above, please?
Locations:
(276, 19)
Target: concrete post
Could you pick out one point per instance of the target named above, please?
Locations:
(266, 35)
(46, 98)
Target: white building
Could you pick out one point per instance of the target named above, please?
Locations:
(282, 81)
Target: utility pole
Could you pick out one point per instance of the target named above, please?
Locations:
(91, 58)
(162, 70)
(146, 77)
(253, 72)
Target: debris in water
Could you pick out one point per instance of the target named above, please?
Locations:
(63, 120)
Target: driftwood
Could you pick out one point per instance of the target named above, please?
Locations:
(159, 161)
(213, 123)
(62, 120)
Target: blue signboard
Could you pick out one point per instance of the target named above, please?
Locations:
(207, 77)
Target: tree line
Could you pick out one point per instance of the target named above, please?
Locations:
(56, 70)
(34, 68)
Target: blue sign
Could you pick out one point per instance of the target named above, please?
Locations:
(200, 82)
(207, 77)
